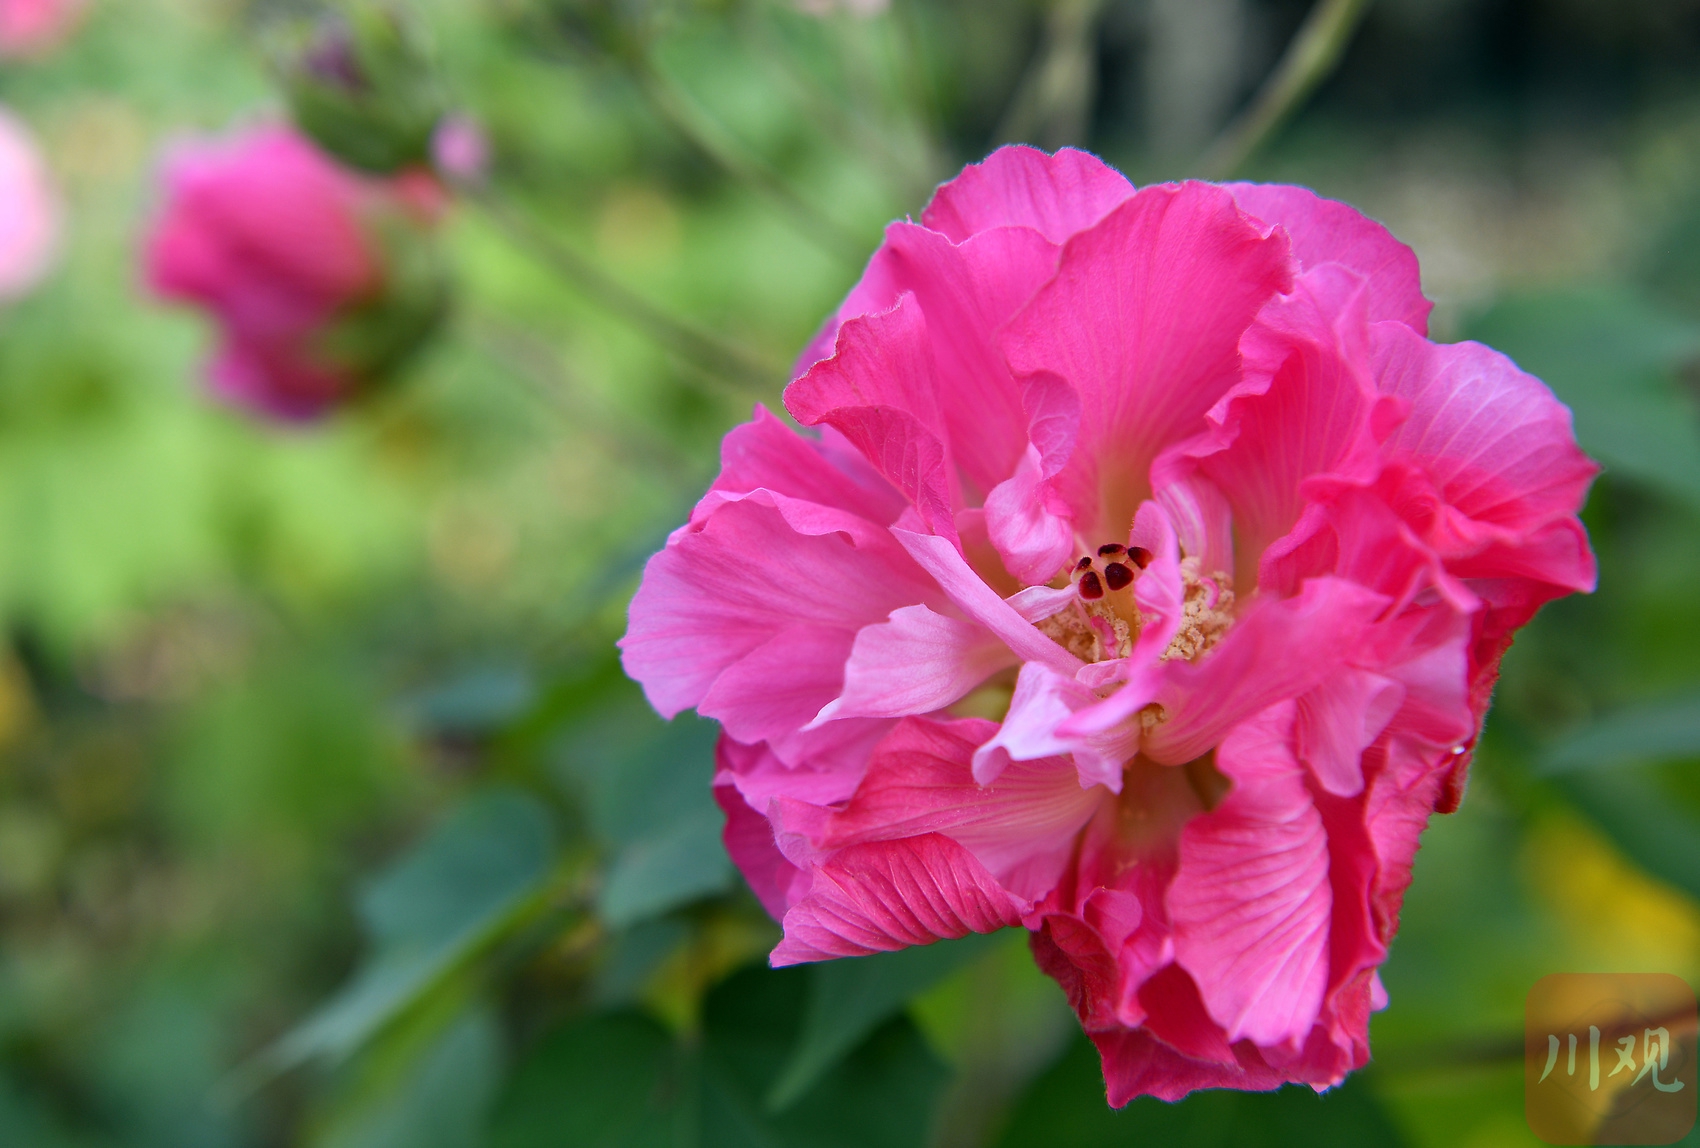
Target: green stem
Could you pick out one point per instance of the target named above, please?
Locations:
(676, 109)
(722, 360)
(1312, 55)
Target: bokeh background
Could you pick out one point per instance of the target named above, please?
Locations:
(326, 817)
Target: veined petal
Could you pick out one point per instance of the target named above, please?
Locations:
(919, 781)
(1327, 231)
(752, 569)
(1033, 541)
(1143, 319)
(749, 842)
(1056, 195)
(1341, 718)
(980, 602)
(1276, 650)
(781, 684)
(1042, 702)
(887, 895)
(765, 454)
(878, 391)
(1496, 443)
(1251, 900)
(915, 662)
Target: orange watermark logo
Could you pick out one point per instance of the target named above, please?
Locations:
(1609, 1058)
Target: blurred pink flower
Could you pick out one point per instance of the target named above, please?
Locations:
(34, 27)
(460, 149)
(1173, 481)
(281, 244)
(29, 210)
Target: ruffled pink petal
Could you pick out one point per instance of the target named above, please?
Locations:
(1018, 186)
(1327, 231)
(980, 602)
(1033, 540)
(821, 766)
(1043, 701)
(1341, 718)
(781, 684)
(1276, 650)
(878, 391)
(967, 294)
(1136, 1063)
(915, 662)
(888, 895)
(747, 572)
(1143, 320)
(765, 454)
(1495, 442)
(749, 842)
(919, 781)
(1306, 406)
(1251, 901)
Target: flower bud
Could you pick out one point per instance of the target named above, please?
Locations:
(322, 280)
(360, 84)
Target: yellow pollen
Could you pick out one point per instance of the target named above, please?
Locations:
(1207, 612)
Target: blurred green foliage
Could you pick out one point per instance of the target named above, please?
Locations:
(326, 817)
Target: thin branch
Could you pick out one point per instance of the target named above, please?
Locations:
(854, 131)
(1054, 98)
(1314, 52)
(538, 365)
(678, 111)
(749, 372)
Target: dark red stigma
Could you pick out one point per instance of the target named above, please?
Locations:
(1090, 588)
(1110, 548)
(1117, 576)
(1140, 556)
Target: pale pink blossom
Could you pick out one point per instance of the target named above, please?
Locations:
(29, 210)
(34, 27)
(282, 245)
(1174, 482)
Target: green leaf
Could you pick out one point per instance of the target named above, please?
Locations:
(1645, 733)
(649, 785)
(440, 1100)
(1065, 1108)
(619, 1081)
(608, 1081)
(850, 998)
(431, 911)
(1612, 357)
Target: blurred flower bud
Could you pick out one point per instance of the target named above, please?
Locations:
(360, 84)
(460, 150)
(29, 211)
(31, 28)
(323, 280)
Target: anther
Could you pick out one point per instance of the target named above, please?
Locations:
(1110, 548)
(1084, 564)
(1139, 556)
(1117, 576)
(1090, 588)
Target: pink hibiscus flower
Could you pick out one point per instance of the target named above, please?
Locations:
(1171, 482)
(284, 247)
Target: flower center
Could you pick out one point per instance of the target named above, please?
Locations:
(1104, 620)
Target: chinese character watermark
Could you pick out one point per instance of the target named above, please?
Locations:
(1610, 1058)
